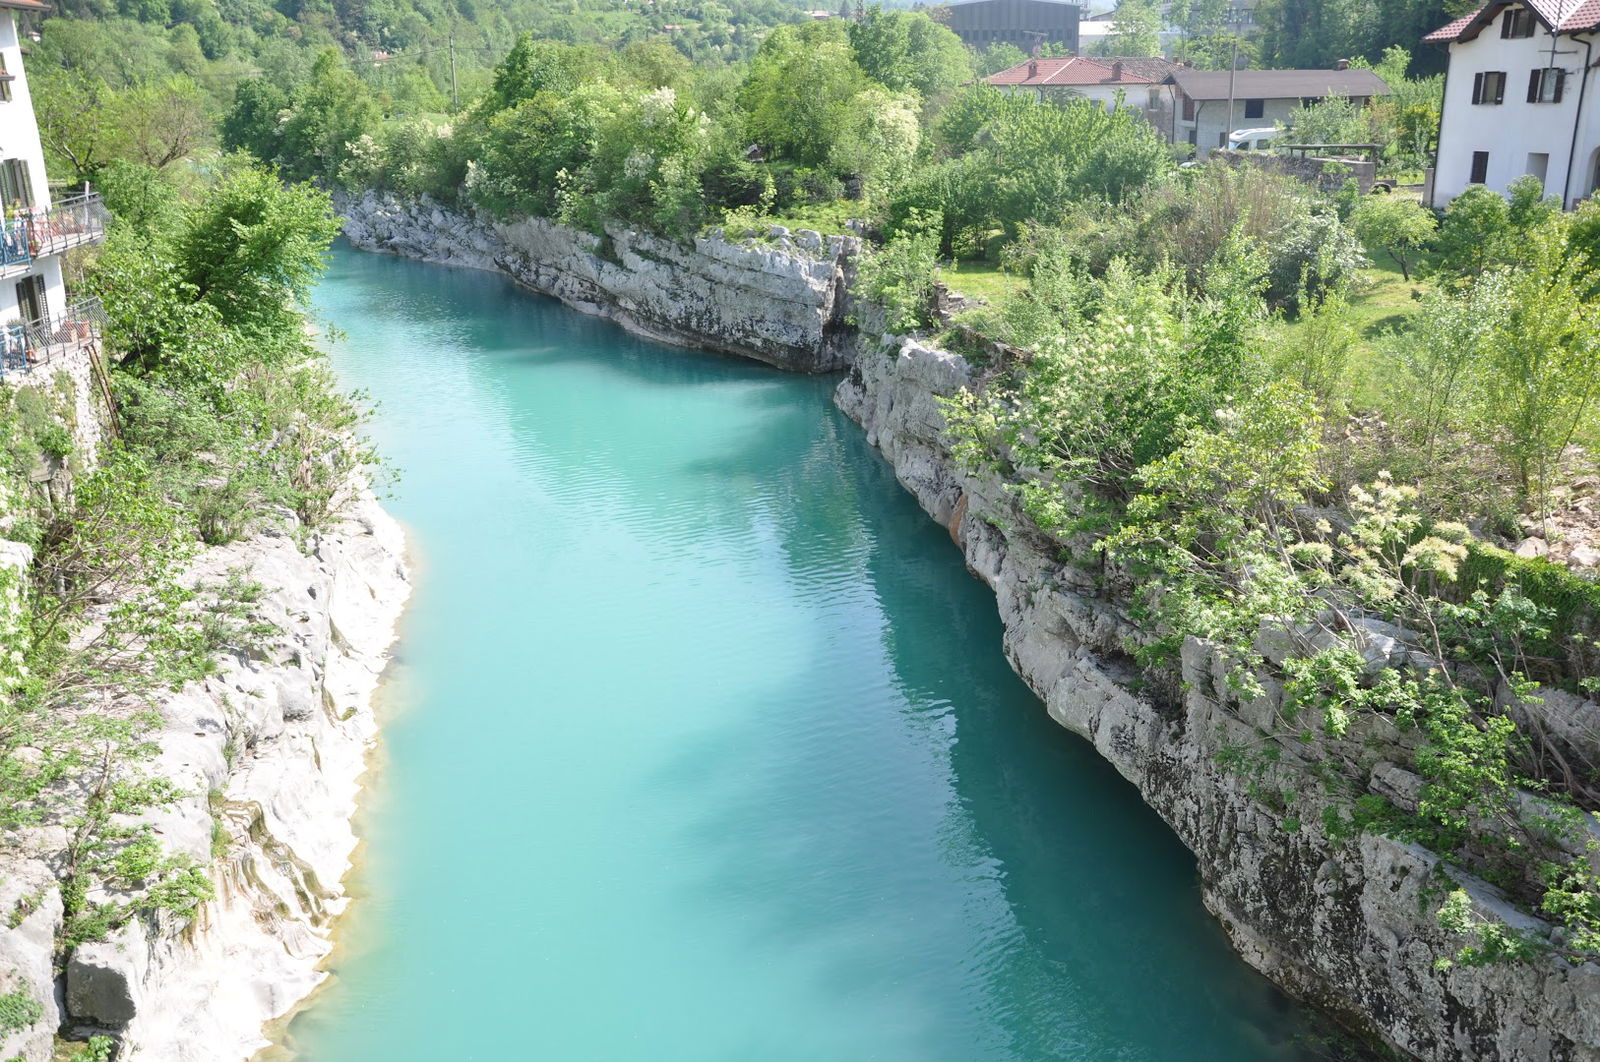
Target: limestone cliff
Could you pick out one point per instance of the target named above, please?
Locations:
(269, 752)
(1346, 925)
(780, 300)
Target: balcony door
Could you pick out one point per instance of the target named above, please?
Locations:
(30, 299)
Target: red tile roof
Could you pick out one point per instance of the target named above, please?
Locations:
(1074, 70)
(1559, 15)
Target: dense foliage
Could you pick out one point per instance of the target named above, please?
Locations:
(227, 420)
(1168, 419)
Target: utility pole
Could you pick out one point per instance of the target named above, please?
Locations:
(455, 99)
(1233, 68)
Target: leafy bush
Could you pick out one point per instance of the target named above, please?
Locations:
(900, 275)
(1312, 256)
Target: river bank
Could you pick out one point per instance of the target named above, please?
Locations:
(268, 754)
(1344, 923)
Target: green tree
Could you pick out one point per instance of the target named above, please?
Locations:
(907, 51)
(74, 119)
(1334, 120)
(799, 90)
(998, 57)
(161, 122)
(334, 110)
(1475, 232)
(881, 139)
(1137, 29)
(255, 121)
(1542, 359)
(1400, 226)
(252, 247)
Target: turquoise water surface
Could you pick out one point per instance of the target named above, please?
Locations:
(704, 747)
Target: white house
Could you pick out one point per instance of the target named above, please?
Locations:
(1520, 98)
(1213, 103)
(36, 318)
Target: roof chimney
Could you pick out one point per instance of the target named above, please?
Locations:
(1033, 69)
(1116, 71)
(1342, 64)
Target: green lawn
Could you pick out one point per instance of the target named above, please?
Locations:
(1381, 301)
(827, 218)
(981, 280)
(1383, 298)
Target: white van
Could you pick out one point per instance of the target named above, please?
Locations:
(1253, 139)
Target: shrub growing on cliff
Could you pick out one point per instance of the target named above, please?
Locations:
(899, 276)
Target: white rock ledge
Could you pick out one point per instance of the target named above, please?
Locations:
(274, 746)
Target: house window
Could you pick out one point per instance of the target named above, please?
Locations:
(1188, 109)
(1480, 168)
(1155, 99)
(1489, 87)
(1544, 85)
(1222, 139)
(16, 189)
(5, 80)
(1254, 108)
(1538, 164)
(1517, 23)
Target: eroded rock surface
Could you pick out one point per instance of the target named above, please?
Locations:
(268, 753)
(781, 300)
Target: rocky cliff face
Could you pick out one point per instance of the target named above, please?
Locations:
(780, 301)
(1344, 924)
(268, 753)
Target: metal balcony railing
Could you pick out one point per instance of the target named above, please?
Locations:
(25, 346)
(70, 223)
(14, 243)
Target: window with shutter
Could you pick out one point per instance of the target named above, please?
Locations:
(30, 298)
(1545, 85)
(1518, 22)
(16, 190)
(1480, 168)
(1489, 87)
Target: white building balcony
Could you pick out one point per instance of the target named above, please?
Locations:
(51, 230)
(26, 346)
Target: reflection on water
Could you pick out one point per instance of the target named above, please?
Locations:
(710, 750)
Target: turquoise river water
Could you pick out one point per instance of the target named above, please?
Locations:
(702, 746)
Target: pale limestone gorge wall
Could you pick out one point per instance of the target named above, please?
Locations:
(274, 745)
(782, 303)
(1346, 926)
